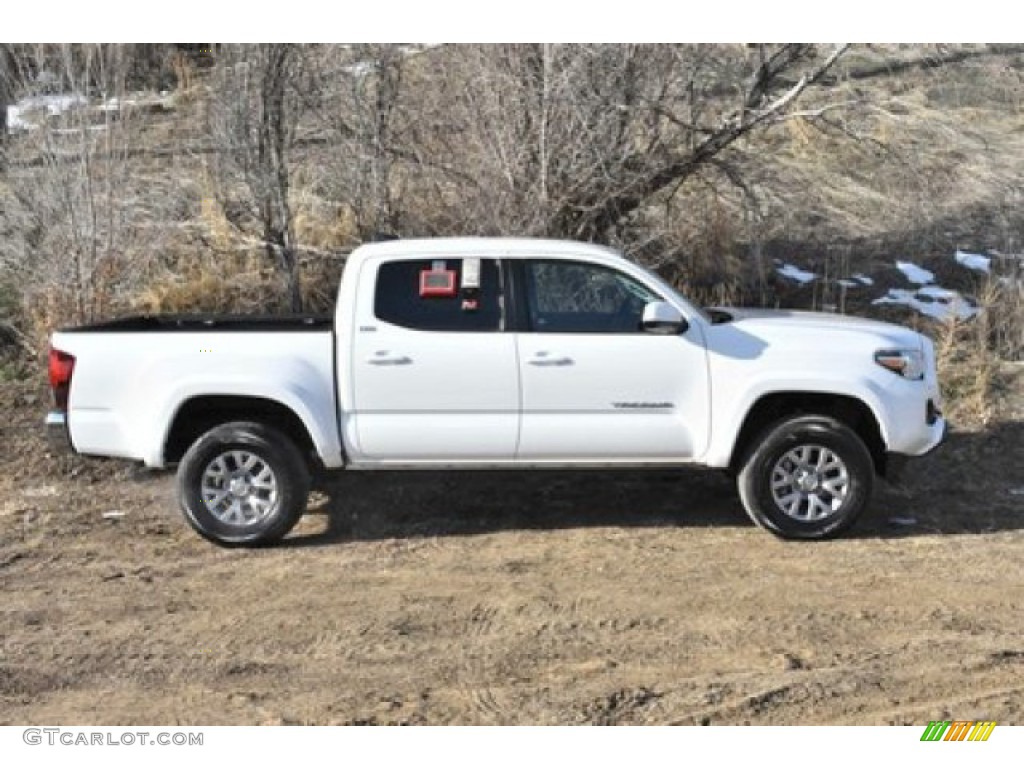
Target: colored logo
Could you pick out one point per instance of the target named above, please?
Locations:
(958, 730)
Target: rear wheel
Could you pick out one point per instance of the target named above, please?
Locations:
(806, 477)
(243, 483)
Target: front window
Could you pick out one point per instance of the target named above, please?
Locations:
(575, 297)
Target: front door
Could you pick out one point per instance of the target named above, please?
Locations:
(596, 387)
(435, 373)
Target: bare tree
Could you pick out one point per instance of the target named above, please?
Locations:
(6, 97)
(361, 106)
(254, 116)
(70, 209)
(767, 98)
(374, 99)
(571, 141)
(554, 140)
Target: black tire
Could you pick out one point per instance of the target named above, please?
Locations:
(273, 512)
(814, 450)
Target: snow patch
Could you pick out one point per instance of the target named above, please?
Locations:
(931, 300)
(28, 114)
(914, 273)
(113, 104)
(973, 261)
(15, 122)
(795, 273)
(864, 279)
(76, 131)
(848, 283)
(937, 292)
(360, 68)
(58, 104)
(365, 67)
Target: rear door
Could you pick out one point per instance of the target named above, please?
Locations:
(596, 387)
(435, 372)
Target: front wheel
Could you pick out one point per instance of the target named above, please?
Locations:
(807, 477)
(243, 483)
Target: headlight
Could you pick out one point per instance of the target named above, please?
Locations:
(908, 363)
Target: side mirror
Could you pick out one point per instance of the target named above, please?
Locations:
(662, 317)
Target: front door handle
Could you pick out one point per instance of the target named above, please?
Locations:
(381, 358)
(551, 361)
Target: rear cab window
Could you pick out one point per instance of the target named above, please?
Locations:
(441, 294)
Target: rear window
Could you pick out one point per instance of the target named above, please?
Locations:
(401, 300)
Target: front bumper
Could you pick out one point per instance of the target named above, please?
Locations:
(895, 463)
(57, 433)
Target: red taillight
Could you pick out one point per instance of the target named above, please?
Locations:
(62, 365)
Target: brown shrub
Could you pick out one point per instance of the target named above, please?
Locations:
(970, 352)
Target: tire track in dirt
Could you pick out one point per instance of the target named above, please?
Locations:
(475, 671)
(748, 697)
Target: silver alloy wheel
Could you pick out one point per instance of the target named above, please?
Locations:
(809, 483)
(239, 488)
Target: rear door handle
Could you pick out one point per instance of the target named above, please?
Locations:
(551, 361)
(382, 359)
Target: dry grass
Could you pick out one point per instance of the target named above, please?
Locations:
(967, 370)
(210, 292)
(970, 353)
(321, 225)
(1006, 325)
(902, 163)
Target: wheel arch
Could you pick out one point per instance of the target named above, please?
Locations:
(197, 415)
(851, 411)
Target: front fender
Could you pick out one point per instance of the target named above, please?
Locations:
(734, 404)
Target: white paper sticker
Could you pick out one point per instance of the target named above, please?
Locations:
(471, 273)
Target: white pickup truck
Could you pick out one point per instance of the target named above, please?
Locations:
(477, 352)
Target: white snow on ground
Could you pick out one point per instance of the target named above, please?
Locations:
(77, 131)
(937, 292)
(57, 104)
(359, 69)
(15, 122)
(19, 116)
(849, 283)
(795, 273)
(931, 300)
(914, 273)
(864, 279)
(973, 261)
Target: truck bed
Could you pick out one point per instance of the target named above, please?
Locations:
(132, 376)
(194, 323)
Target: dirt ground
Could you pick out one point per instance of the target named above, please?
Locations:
(501, 598)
